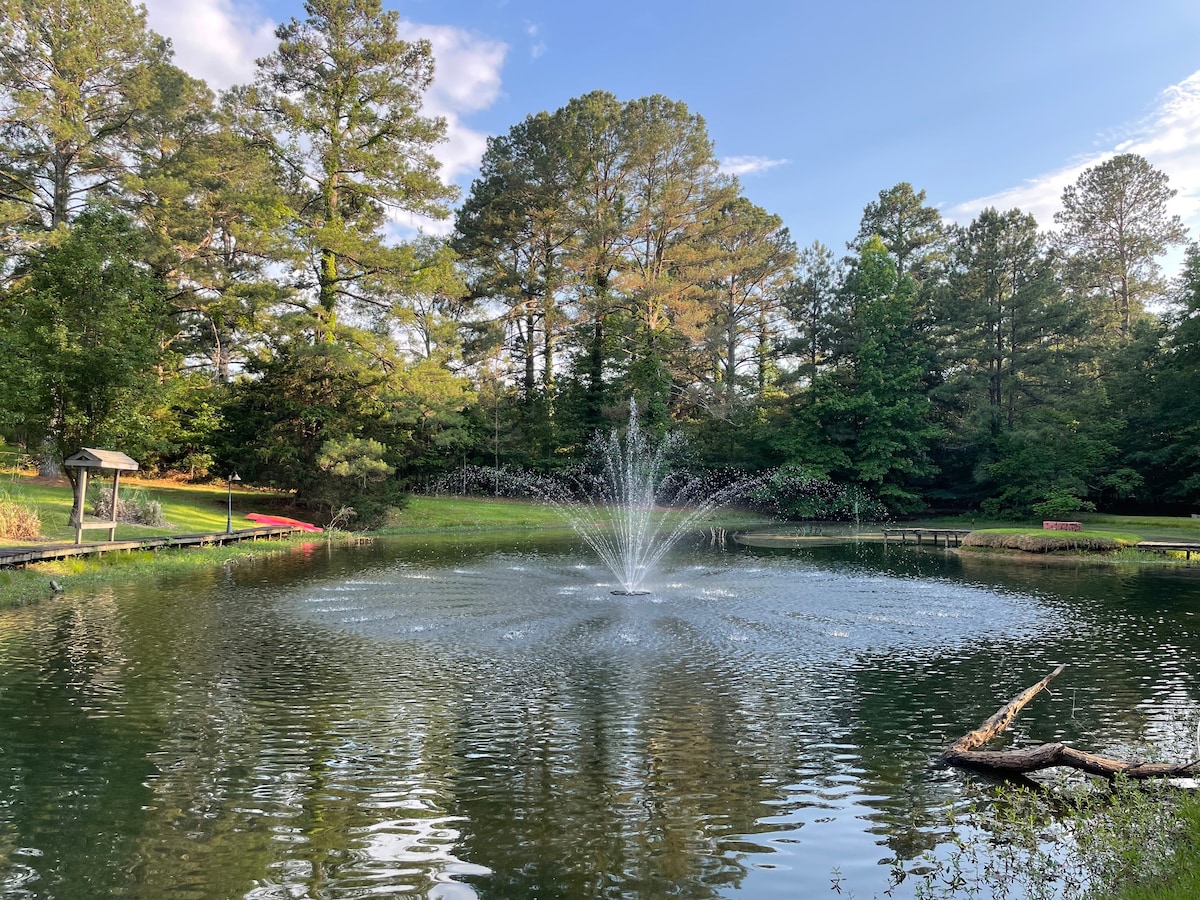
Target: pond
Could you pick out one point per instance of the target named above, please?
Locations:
(484, 718)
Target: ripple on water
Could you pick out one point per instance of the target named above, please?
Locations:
(502, 721)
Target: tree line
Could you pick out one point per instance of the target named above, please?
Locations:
(214, 283)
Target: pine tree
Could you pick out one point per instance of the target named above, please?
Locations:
(77, 81)
(339, 101)
(1113, 228)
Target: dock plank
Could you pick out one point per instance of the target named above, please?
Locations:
(943, 534)
(34, 553)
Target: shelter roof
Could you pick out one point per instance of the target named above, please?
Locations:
(87, 458)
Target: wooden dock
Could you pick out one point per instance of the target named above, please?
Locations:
(36, 553)
(946, 535)
(1185, 547)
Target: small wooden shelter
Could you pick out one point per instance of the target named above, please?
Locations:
(86, 460)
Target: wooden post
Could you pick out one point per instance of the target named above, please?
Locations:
(80, 493)
(112, 531)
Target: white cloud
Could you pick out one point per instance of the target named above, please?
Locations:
(214, 39)
(1169, 138)
(538, 48)
(467, 80)
(749, 165)
(406, 225)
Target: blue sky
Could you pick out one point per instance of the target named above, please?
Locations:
(818, 106)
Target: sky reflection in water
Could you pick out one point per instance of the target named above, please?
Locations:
(489, 720)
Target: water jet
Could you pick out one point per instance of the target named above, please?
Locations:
(632, 505)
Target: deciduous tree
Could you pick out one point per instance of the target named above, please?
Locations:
(84, 324)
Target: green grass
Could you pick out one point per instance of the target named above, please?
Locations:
(1181, 878)
(1151, 528)
(439, 513)
(486, 513)
(187, 509)
(1124, 537)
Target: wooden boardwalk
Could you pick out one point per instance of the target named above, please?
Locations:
(946, 535)
(1186, 547)
(35, 553)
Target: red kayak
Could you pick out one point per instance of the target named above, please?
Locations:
(281, 520)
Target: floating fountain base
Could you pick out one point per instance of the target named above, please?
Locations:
(631, 593)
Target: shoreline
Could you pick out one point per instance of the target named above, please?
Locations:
(21, 586)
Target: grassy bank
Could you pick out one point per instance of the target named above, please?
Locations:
(1042, 541)
(33, 583)
(1179, 878)
(187, 509)
(424, 514)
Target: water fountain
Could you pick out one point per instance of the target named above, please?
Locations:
(634, 506)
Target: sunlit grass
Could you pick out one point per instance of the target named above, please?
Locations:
(450, 512)
(187, 509)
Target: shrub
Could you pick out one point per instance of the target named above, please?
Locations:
(354, 477)
(1062, 841)
(1062, 505)
(18, 520)
(135, 507)
(1043, 542)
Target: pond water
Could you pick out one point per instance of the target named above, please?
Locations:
(485, 718)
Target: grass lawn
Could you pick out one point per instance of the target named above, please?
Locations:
(1147, 528)
(442, 513)
(1151, 528)
(187, 509)
(449, 512)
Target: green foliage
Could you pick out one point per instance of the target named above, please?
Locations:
(1114, 226)
(77, 81)
(1163, 434)
(797, 493)
(84, 327)
(871, 411)
(600, 254)
(300, 397)
(356, 482)
(1178, 875)
(1068, 842)
(1061, 504)
(339, 101)
(910, 230)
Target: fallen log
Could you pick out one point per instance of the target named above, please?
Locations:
(964, 754)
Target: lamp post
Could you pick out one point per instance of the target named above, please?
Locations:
(229, 485)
